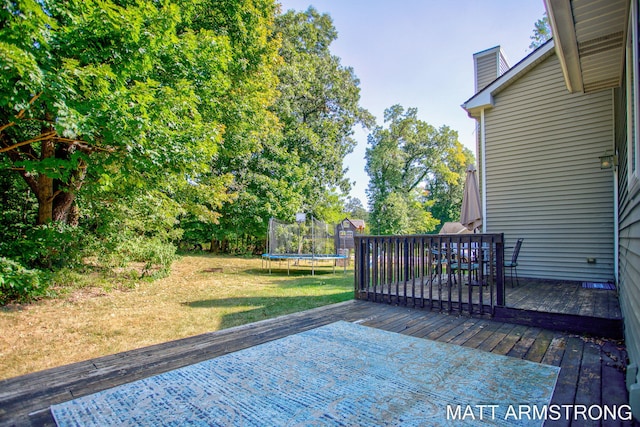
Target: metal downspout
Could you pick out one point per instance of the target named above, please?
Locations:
(616, 227)
(616, 220)
(483, 157)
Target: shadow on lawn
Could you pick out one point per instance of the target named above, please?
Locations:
(293, 272)
(260, 307)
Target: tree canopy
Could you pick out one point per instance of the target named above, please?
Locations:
(541, 32)
(103, 90)
(134, 122)
(416, 174)
(299, 168)
(129, 128)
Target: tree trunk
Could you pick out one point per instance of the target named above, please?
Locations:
(63, 206)
(214, 247)
(56, 199)
(45, 186)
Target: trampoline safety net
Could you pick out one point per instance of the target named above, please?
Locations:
(311, 237)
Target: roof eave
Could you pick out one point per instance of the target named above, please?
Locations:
(564, 34)
(484, 98)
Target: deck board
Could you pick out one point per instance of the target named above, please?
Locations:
(532, 294)
(590, 380)
(521, 348)
(552, 304)
(539, 346)
(496, 338)
(590, 369)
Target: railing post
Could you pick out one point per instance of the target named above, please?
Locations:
(500, 290)
(357, 266)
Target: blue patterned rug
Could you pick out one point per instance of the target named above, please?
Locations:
(594, 285)
(342, 374)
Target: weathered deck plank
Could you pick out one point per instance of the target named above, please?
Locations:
(532, 294)
(543, 303)
(590, 369)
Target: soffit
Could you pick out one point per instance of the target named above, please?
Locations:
(590, 41)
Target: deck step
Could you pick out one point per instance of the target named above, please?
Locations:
(573, 323)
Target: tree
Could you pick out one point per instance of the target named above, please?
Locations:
(415, 170)
(299, 167)
(115, 113)
(445, 187)
(354, 208)
(245, 157)
(318, 105)
(541, 32)
(105, 88)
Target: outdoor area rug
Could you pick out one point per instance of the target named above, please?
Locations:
(342, 374)
(593, 285)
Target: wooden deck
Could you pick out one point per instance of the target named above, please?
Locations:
(563, 297)
(550, 304)
(591, 369)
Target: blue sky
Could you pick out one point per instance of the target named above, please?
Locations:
(419, 53)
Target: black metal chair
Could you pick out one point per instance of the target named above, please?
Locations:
(463, 263)
(513, 264)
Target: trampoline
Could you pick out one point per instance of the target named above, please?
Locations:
(306, 240)
(313, 259)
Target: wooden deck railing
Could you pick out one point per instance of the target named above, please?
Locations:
(448, 272)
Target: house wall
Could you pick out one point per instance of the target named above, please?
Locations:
(487, 65)
(629, 240)
(544, 181)
(504, 65)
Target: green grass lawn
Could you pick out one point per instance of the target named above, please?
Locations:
(203, 293)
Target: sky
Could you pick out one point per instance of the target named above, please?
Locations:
(419, 54)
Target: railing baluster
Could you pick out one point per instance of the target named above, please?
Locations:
(412, 263)
(406, 263)
(405, 270)
(384, 279)
(392, 268)
(423, 270)
(431, 274)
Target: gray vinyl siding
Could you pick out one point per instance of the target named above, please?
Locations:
(544, 181)
(486, 70)
(504, 66)
(629, 238)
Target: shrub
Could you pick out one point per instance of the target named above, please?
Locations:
(19, 284)
(50, 246)
(153, 253)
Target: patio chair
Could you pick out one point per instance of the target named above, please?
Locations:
(513, 264)
(462, 262)
(441, 258)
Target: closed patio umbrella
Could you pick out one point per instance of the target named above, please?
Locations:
(471, 212)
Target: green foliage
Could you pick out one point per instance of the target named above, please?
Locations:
(541, 32)
(140, 92)
(19, 284)
(318, 105)
(415, 171)
(48, 246)
(445, 187)
(129, 127)
(299, 167)
(354, 209)
(134, 228)
(153, 253)
(16, 206)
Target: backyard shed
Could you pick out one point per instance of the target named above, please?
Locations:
(344, 235)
